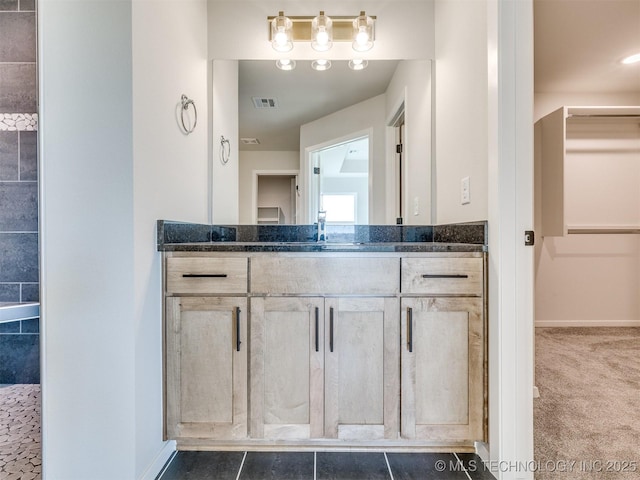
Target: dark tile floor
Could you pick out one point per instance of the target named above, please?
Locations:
(324, 466)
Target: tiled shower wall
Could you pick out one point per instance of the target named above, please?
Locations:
(18, 152)
(19, 341)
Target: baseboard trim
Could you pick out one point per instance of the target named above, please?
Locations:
(587, 323)
(157, 466)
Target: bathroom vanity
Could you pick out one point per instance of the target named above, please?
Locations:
(296, 343)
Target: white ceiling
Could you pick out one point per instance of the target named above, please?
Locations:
(303, 95)
(579, 45)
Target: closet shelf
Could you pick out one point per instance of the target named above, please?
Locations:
(550, 157)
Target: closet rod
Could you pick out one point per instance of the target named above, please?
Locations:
(602, 115)
(617, 231)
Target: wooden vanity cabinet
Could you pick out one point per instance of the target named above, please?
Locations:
(287, 367)
(362, 386)
(295, 348)
(442, 350)
(206, 349)
(324, 347)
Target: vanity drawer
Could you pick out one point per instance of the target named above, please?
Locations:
(325, 275)
(206, 275)
(442, 276)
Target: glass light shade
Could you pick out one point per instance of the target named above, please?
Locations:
(321, 65)
(282, 33)
(286, 64)
(362, 33)
(321, 33)
(358, 64)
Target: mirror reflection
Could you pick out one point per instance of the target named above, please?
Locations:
(324, 141)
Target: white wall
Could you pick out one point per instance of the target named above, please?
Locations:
(170, 181)
(245, 21)
(461, 107)
(411, 84)
(593, 279)
(87, 221)
(224, 104)
(112, 161)
(369, 114)
(266, 160)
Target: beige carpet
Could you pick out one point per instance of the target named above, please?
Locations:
(589, 406)
(20, 453)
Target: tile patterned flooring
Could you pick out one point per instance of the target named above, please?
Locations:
(20, 453)
(187, 465)
(20, 456)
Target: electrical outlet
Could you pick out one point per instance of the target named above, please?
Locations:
(416, 205)
(465, 193)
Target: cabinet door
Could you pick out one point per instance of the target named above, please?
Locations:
(442, 369)
(206, 367)
(361, 368)
(287, 356)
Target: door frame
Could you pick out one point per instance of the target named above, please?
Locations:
(305, 171)
(510, 213)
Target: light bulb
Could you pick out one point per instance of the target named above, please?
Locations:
(281, 37)
(322, 38)
(321, 64)
(362, 33)
(286, 64)
(362, 37)
(281, 33)
(632, 59)
(321, 33)
(358, 64)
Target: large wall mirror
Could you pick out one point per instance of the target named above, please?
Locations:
(315, 141)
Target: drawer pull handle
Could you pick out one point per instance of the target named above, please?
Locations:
(331, 329)
(410, 329)
(238, 342)
(204, 275)
(317, 328)
(444, 275)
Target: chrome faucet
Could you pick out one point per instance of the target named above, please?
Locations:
(322, 225)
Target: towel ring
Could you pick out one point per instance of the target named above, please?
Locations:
(186, 101)
(225, 149)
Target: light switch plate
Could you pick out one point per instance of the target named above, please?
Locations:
(465, 193)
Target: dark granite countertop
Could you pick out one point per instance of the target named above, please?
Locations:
(321, 247)
(190, 237)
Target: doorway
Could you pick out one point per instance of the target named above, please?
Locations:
(275, 197)
(339, 181)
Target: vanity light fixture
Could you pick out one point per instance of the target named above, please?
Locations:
(282, 33)
(321, 64)
(321, 33)
(358, 64)
(362, 33)
(632, 59)
(286, 64)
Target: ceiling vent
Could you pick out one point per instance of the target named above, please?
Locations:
(250, 141)
(264, 102)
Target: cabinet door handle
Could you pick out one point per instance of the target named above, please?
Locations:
(238, 342)
(331, 329)
(410, 329)
(445, 275)
(204, 275)
(317, 328)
